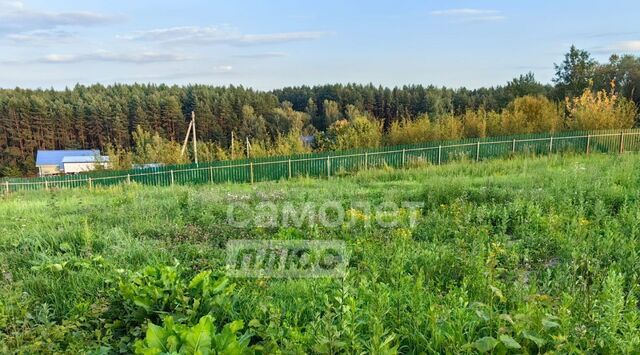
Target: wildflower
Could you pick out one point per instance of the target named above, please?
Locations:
(402, 233)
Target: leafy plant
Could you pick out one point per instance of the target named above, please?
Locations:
(160, 290)
(202, 338)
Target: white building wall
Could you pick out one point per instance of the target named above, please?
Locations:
(73, 168)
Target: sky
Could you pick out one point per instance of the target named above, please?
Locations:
(272, 44)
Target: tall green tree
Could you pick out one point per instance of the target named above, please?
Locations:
(575, 73)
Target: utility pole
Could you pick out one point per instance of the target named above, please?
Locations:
(232, 152)
(195, 141)
(186, 138)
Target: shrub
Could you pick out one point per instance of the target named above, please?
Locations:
(475, 123)
(448, 127)
(531, 114)
(361, 132)
(600, 110)
(410, 131)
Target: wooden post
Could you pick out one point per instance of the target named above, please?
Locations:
(403, 158)
(328, 166)
(186, 138)
(6, 184)
(289, 164)
(366, 161)
(172, 179)
(439, 154)
(195, 141)
(513, 146)
(90, 184)
(128, 178)
(46, 185)
(478, 151)
(621, 142)
(232, 146)
(588, 143)
(251, 171)
(550, 144)
(211, 174)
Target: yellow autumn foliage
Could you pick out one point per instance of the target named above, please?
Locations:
(600, 110)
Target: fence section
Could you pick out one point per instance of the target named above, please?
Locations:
(329, 164)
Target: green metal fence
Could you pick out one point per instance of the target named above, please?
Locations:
(329, 164)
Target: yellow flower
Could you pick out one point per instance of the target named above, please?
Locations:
(402, 233)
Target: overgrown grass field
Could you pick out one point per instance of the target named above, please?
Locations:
(526, 255)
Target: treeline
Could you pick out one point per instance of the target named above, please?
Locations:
(107, 117)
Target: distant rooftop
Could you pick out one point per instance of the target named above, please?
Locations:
(55, 157)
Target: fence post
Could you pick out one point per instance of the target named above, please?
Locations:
(328, 166)
(46, 185)
(478, 151)
(513, 146)
(439, 154)
(211, 174)
(6, 184)
(172, 179)
(588, 143)
(289, 166)
(90, 184)
(128, 178)
(550, 144)
(621, 142)
(251, 171)
(366, 161)
(403, 158)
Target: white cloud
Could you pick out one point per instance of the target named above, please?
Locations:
(627, 46)
(195, 34)
(222, 69)
(106, 56)
(261, 55)
(16, 17)
(281, 37)
(632, 46)
(11, 5)
(470, 15)
(42, 36)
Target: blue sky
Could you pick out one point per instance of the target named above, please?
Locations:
(271, 44)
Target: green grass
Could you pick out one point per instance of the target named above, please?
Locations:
(535, 253)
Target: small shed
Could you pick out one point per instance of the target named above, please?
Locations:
(50, 162)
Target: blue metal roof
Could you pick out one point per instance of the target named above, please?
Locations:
(55, 157)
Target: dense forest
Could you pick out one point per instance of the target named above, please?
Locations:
(116, 118)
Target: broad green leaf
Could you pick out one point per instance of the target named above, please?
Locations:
(549, 324)
(485, 344)
(482, 314)
(509, 342)
(220, 285)
(156, 336)
(236, 326)
(496, 291)
(143, 303)
(534, 338)
(506, 317)
(173, 343)
(198, 338)
(199, 279)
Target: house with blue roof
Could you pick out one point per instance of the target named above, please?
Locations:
(55, 162)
